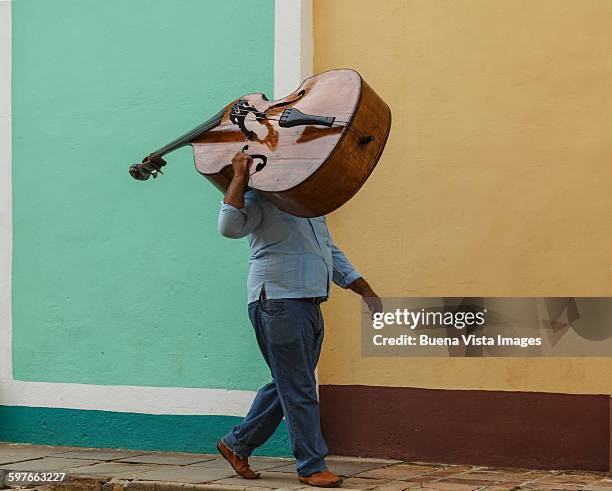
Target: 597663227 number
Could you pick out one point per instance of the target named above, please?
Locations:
(29, 477)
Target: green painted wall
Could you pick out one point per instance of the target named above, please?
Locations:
(118, 281)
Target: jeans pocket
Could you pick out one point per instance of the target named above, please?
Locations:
(279, 323)
(274, 307)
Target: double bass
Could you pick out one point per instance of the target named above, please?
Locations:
(312, 150)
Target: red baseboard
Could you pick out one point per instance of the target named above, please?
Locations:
(514, 429)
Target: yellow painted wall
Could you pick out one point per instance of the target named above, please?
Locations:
(497, 177)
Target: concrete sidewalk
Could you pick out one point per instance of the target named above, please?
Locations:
(117, 470)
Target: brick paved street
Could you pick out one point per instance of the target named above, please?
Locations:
(116, 470)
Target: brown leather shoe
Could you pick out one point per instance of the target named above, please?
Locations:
(324, 479)
(239, 464)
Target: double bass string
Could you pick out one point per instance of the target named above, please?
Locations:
(344, 124)
(269, 118)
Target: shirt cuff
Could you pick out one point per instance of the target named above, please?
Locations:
(349, 278)
(228, 207)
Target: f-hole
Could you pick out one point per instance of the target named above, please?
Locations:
(299, 95)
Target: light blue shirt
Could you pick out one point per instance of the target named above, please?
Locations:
(294, 257)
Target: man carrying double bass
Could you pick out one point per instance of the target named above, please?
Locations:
(292, 264)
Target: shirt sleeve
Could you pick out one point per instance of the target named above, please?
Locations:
(235, 223)
(344, 272)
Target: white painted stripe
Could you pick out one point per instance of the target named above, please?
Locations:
(293, 63)
(127, 398)
(5, 195)
(293, 51)
(292, 45)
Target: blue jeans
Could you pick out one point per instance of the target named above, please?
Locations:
(289, 333)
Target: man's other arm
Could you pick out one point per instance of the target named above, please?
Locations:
(346, 276)
(239, 214)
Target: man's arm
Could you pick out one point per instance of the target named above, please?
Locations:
(239, 215)
(346, 276)
(241, 163)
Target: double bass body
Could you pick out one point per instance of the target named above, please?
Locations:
(307, 169)
(312, 150)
